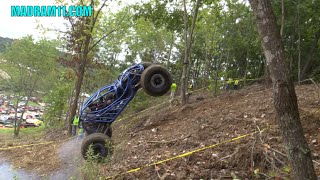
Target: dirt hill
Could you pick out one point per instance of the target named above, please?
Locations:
(164, 132)
(167, 132)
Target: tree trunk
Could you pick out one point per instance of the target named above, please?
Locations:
(312, 50)
(185, 60)
(70, 101)
(170, 50)
(285, 100)
(216, 76)
(282, 18)
(188, 46)
(299, 45)
(76, 97)
(15, 131)
(83, 64)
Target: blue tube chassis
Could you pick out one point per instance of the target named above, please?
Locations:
(123, 89)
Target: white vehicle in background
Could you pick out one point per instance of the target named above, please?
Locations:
(21, 103)
(36, 122)
(4, 118)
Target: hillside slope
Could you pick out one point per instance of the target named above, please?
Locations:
(4, 42)
(168, 132)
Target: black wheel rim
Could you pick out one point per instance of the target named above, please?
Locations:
(99, 149)
(157, 81)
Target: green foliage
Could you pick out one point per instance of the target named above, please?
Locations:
(301, 17)
(57, 103)
(91, 168)
(156, 11)
(97, 77)
(316, 74)
(34, 62)
(4, 43)
(12, 71)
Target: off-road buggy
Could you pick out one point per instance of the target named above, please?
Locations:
(103, 107)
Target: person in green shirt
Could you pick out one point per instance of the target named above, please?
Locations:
(173, 91)
(75, 124)
(236, 82)
(229, 84)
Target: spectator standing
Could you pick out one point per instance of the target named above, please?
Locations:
(75, 124)
(229, 84)
(236, 82)
(173, 92)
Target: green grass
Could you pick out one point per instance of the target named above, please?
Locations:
(24, 131)
(26, 135)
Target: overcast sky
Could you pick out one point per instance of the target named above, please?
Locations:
(17, 27)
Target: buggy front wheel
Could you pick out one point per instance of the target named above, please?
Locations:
(156, 80)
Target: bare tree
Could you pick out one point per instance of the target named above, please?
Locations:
(188, 46)
(285, 99)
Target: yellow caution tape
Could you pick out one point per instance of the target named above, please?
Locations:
(186, 154)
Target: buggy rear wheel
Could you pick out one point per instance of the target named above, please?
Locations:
(100, 143)
(156, 80)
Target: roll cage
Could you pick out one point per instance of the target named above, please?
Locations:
(123, 89)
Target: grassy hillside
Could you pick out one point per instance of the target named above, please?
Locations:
(9, 69)
(4, 42)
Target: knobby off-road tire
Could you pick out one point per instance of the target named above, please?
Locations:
(156, 80)
(145, 66)
(101, 145)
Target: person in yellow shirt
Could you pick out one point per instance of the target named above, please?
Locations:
(173, 91)
(229, 84)
(236, 82)
(75, 124)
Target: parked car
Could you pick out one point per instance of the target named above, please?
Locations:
(21, 103)
(8, 125)
(4, 118)
(38, 116)
(26, 125)
(36, 122)
(9, 121)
